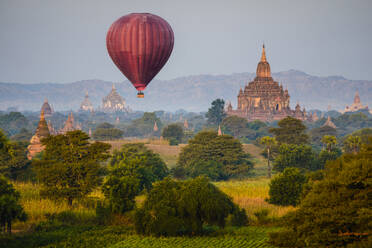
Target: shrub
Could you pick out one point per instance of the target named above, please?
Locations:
(175, 208)
(239, 217)
(174, 133)
(285, 189)
(120, 192)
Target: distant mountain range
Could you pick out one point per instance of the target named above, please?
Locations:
(192, 93)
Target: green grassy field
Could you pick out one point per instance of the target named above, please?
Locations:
(249, 194)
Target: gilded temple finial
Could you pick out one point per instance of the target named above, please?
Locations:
(263, 57)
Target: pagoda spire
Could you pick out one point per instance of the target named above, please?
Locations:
(42, 115)
(263, 56)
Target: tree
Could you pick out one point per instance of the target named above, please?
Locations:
(290, 131)
(316, 134)
(12, 157)
(336, 211)
(329, 141)
(10, 209)
(176, 208)
(144, 126)
(216, 113)
(107, 134)
(70, 166)
(352, 144)
(222, 150)
(299, 156)
(235, 125)
(136, 161)
(285, 188)
(173, 131)
(268, 142)
(121, 192)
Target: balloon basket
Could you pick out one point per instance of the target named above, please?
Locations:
(140, 95)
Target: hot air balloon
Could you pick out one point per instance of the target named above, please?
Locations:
(140, 44)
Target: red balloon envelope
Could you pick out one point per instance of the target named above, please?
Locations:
(140, 45)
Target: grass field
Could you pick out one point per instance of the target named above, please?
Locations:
(249, 194)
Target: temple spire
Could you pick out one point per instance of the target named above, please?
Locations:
(263, 56)
(42, 116)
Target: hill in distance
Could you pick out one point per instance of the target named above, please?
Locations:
(192, 93)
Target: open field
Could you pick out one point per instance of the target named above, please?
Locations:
(170, 153)
(83, 231)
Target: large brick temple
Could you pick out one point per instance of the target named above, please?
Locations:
(264, 99)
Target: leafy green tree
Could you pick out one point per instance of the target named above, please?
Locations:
(364, 134)
(216, 112)
(10, 209)
(316, 134)
(329, 141)
(121, 192)
(235, 125)
(107, 134)
(352, 144)
(144, 126)
(136, 161)
(269, 143)
(70, 166)
(173, 131)
(105, 125)
(286, 188)
(336, 212)
(299, 156)
(13, 122)
(13, 157)
(290, 131)
(175, 208)
(222, 150)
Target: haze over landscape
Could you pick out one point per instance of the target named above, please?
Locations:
(256, 133)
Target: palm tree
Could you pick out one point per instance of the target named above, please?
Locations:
(268, 142)
(352, 143)
(330, 141)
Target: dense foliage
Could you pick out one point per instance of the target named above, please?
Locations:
(290, 131)
(216, 112)
(136, 161)
(241, 129)
(173, 132)
(107, 134)
(175, 208)
(13, 158)
(223, 156)
(286, 188)
(10, 209)
(299, 156)
(13, 122)
(144, 126)
(336, 211)
(70, 166)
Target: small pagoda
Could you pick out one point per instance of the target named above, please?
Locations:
(42, 131)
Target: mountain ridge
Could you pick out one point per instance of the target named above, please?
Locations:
(192, 93)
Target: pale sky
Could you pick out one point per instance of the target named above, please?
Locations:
(64, 40)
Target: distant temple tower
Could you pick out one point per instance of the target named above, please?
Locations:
(263, 98)
(113, 102)
(329, 123)
(70, 125)
(42, 131)
(46, 108)
(86, 105)
(357, 105)
(155, 127)
(186, 124)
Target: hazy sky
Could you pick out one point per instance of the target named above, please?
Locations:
(64, 40)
